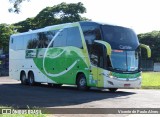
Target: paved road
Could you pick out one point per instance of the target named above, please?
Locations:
(12, 93)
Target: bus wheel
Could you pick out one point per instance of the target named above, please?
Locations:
(81, 82)
(23, 79)
(31, 79)
(112, 90)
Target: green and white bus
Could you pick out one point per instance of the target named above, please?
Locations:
(86, 54)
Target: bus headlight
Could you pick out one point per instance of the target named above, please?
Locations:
(139, 77)
(110, 76)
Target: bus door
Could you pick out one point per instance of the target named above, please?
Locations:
(97, 63)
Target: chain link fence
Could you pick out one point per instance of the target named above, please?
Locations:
(147, 65)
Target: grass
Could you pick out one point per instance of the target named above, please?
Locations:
(151, 80)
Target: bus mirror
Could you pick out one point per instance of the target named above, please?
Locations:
(107, 45)
(147, 48)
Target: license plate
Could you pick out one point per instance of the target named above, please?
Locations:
(127, 85)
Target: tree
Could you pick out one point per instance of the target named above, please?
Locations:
(61, 13)
(16, 5)
(5, 32)
(153, 40)
(57, 14)
(25, 25)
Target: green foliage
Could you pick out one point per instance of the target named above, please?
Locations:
(153, 40)
(5, 32)
(61, 13)
(24, 26)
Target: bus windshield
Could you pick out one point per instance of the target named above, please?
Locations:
(120, 37)
(124, 60)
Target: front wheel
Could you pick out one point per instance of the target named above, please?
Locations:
(82, 82)
(112, 90)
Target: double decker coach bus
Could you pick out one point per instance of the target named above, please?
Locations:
(86, 54)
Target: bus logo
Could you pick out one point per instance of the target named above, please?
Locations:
(125, 47)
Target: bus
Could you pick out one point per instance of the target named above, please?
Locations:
(86, 54)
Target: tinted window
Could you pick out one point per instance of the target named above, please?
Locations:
(96, 55)
(74, 37)
(60, 38)
(31, 40)
(91, 33)
(27, 39)
(12, 45)
(43, 39)
(120, 37)
(17, 43)
(38, 40)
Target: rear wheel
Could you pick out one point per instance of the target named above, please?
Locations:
(23, 79)
(82, 82)
(112, 90)
(31, 79)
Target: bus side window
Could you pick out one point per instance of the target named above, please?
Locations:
(12, 40)
(97, 55)
(42, 40)
(74, 37)
(12, 43)
(18, 43)
(50, 35)
(94, 55)
(91, 33)
(60, 39)
(30, 42)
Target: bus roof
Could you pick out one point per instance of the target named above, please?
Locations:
(44, 29)
(82, 23)
(88, 23)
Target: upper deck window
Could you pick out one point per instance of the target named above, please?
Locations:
(120, 37)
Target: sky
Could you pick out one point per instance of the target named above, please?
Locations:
(140, 15)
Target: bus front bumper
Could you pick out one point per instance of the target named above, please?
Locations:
(122, 83)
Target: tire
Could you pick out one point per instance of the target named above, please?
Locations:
(31, 79)
(112, 90)
(82, 82)
(23, 79)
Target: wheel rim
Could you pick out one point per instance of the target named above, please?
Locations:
(23, 78)
(31, 80)
(82, 82)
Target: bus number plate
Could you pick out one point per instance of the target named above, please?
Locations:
(127, 85)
